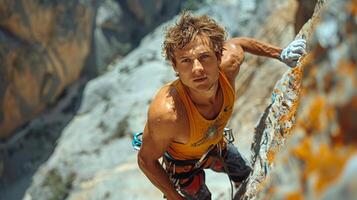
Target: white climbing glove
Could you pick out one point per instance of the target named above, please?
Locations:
(292, 53)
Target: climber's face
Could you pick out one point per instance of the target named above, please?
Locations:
(197, 64)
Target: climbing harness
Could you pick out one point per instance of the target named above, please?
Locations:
(137, 138)
(169, 163)
(228, 134)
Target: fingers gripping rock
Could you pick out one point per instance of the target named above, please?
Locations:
(292, 53)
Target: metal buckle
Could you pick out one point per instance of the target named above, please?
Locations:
(228, 134)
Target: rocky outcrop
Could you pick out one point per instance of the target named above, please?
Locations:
(258, 75)
(94, 151)
(306, 144)
(120, 25)
(43, 47)
(303, 13)
(94, 161)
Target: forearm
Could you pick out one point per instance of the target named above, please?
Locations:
(258, 48)
(157, 175)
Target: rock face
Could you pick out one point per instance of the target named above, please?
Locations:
(303, 13)
(120, 25)
(93, 158)
(254, 85)
(312, 155)
(43, 46)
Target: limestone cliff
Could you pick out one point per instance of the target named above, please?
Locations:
(305, 144)
(43, 47)
(46, 45)
(93, 158)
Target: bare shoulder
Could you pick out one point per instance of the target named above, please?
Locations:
(166, 113)
(232, 58)
(165, 117)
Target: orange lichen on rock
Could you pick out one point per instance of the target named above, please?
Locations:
(348, 69)
(306, 60)
(353, 7)
(347, 115)
(297, 74)
(312, 121)
(329, 165)
(324, 161)
(304, 148)
(271, 156)
(290, 114)
(309, 69)
(296, 195)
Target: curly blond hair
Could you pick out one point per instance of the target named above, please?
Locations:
(187, 28)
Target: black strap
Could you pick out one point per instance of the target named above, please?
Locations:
(180, 163)
(189, 174)
(184, 175)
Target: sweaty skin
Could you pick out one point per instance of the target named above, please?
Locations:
(198, 69)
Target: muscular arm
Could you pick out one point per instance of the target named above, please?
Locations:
(233, 55)
(156, 138)
(257, 47)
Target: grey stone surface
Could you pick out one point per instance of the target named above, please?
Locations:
(93, 158)
(94, 148)
(305, 144)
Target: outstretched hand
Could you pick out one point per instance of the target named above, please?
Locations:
(292, 53)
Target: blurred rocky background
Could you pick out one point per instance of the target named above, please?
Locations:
(76, 78)
(305, 143)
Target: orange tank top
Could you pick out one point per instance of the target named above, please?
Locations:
(203, 132)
